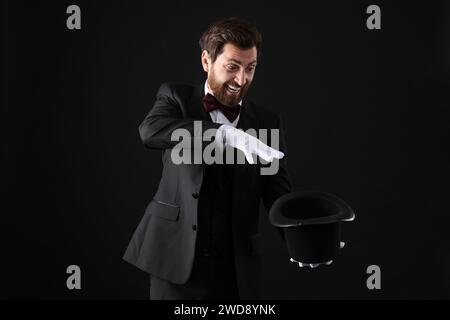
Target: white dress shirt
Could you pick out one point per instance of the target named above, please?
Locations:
(217, 116)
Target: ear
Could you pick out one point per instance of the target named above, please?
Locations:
(206, 61)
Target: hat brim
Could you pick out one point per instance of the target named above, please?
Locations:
(302, 208)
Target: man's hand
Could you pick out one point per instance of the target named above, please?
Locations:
(315, 265)
(229, 136)
(311, 265)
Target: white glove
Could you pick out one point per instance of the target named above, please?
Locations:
(230, 136)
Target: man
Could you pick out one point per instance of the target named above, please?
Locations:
(199, 236)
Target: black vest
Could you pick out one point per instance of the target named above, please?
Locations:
(214, 237)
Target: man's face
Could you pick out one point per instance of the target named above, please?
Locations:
(230, 76)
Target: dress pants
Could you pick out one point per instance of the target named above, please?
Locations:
(212, 278)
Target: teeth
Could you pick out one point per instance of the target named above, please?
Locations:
(233, 89)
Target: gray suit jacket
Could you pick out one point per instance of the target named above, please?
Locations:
(164, 242)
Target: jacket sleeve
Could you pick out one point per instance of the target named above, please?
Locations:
(280, 183)
(165, 117)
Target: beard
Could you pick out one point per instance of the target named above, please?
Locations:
(223, 94)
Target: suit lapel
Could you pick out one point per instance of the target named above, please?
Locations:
(247, 117)
(195, 107)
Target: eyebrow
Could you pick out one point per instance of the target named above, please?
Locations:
(239, 62)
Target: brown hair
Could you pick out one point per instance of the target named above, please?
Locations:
(232, 30)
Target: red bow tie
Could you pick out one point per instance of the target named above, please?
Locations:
(211, 103)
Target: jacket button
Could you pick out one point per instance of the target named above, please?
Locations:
(195, 195)
(194, 227)
(206, 253)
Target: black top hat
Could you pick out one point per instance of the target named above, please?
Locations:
(311, 223)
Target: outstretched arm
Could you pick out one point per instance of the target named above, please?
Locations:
(167, 115)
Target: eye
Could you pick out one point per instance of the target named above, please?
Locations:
(232, 67)
(251, 69)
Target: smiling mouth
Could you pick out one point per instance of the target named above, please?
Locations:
(233, 89)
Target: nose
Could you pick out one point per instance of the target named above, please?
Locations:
(240, 78)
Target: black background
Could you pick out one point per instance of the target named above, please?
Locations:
(366, 116)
